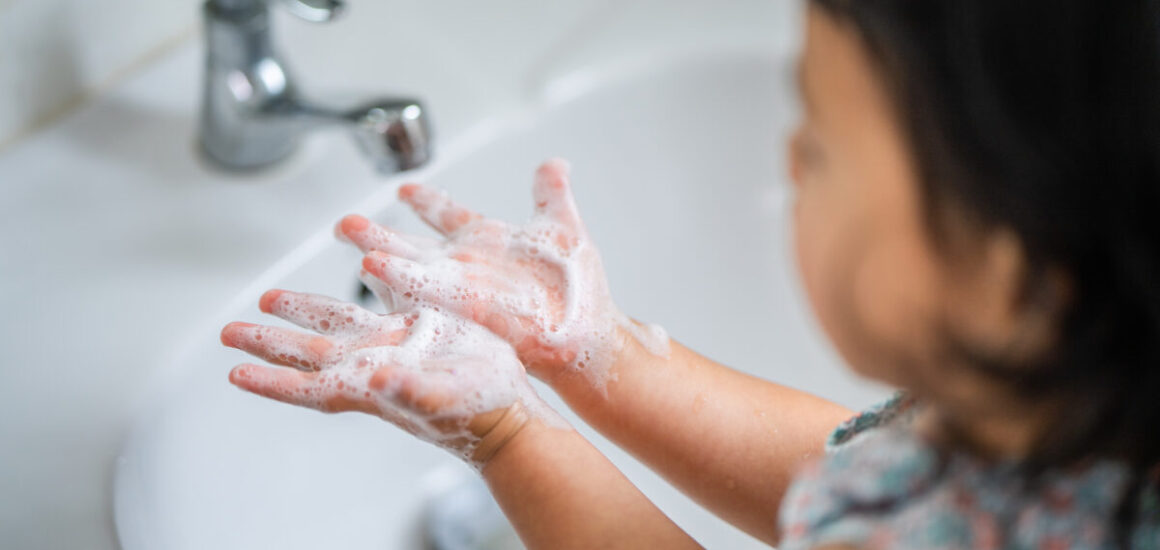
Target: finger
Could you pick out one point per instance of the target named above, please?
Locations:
(553, 193)
(436, 208)
(404, 277)
(384, 385)
(379, 289)
(339, 392)
(497, 319)
(390, 330)
(538, 357)
(282, 346)
(410, 283)
(425, 393)
(287, 386)
(316, 312)
(368, 236)
(405, 388)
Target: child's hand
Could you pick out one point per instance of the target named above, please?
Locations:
(439, 377)
(540, 286)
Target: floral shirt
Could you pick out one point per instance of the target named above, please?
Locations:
(880, 486)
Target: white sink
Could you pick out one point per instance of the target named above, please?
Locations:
(678, 170)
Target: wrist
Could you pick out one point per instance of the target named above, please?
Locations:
(525, 446)
(628, 355)
(496, 430)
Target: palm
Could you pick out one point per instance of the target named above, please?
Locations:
(540, 285)
(430, 373)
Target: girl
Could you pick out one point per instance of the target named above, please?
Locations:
(975, 220)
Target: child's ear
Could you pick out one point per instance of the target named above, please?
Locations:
(1003, 306)
(1026, 301)
(1042, 303)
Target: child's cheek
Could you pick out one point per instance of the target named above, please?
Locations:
(810, 236)
(830, 248)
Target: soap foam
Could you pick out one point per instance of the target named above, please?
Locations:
(427, 371)
(540, 286)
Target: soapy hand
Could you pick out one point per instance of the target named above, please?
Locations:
(540, 286)
(437, 376)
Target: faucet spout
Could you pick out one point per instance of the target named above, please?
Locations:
(253, 115)
(395, 134)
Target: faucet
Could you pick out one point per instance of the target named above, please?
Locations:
(253, 114)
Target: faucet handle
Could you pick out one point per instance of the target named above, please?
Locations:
(316, 11)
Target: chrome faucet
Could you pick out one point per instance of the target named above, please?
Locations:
(253, 114)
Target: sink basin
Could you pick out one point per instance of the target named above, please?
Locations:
(678, 171)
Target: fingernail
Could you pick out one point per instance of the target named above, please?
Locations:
(374, 261)
(266, 302)
(408, 190)
(354, 224)
(230, 327)
(238, 374)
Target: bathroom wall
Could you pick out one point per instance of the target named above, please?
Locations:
(54, 53)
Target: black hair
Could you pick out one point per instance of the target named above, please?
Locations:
(1043, 118)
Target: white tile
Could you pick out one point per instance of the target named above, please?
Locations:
(53, 52)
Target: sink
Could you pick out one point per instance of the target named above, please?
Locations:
(678, 170)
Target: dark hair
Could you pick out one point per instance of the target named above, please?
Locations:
(1043, 117)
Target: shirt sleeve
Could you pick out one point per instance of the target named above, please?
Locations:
(898, 407)
(871, 462)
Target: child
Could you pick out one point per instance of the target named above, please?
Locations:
(976, 222)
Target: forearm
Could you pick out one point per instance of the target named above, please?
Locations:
(559, 492)
(729, 440)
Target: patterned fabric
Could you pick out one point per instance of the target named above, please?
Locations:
(880, 486)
